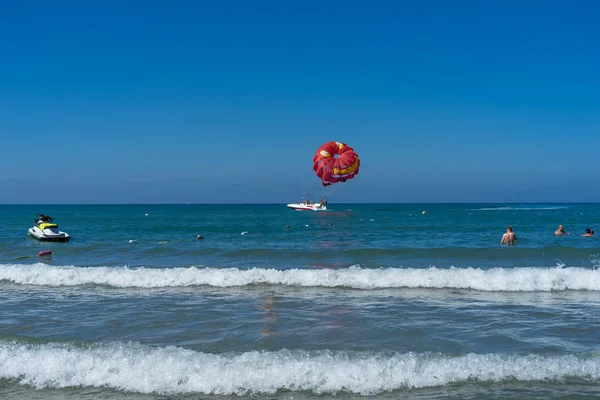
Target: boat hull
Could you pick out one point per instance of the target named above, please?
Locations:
(307, 207)
(49, 235)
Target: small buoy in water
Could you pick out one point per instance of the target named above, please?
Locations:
(45, 253)
(146, 214)
(243, 233)
(132, 241)
(287, 227)
(306, 225)
(199, 237)
(424, 212)
(330, 224)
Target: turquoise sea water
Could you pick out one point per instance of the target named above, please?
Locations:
(361, 300)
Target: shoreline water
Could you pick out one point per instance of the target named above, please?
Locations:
(430, 304)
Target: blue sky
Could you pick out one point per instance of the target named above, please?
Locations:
(170, 102)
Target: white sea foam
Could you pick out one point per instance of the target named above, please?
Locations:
(173, 370)
(521, 208)
(495, 279)
(595, 259)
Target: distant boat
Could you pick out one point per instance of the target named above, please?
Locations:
(309, 205)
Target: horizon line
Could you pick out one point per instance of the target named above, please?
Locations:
(285, 204)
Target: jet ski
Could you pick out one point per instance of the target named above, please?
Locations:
(45, 230)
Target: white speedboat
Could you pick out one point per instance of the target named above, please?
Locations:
(309, 205)
(45, 230)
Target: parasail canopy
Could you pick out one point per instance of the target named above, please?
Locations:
(335, 162)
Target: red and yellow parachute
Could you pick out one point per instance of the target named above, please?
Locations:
(335, 162)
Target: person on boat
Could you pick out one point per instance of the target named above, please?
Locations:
(509, 237)
(588, 232)
(561, 231)
(45, 218)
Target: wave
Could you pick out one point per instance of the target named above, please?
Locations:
(173, 370)
(490, 280)
(502, 208)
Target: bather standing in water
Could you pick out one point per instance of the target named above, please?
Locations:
(509, 237)
(561, 231)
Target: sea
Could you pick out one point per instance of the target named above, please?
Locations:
(377, 301)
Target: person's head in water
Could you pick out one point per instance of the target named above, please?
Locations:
(509, 228)
(589, 232)
(560, 231)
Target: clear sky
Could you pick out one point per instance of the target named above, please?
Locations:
(227, 101)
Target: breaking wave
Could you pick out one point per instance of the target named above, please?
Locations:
(493, 280)
(173, 370)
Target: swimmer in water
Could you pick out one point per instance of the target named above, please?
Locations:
(561, 231)
(509, 237)
(588, 232)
